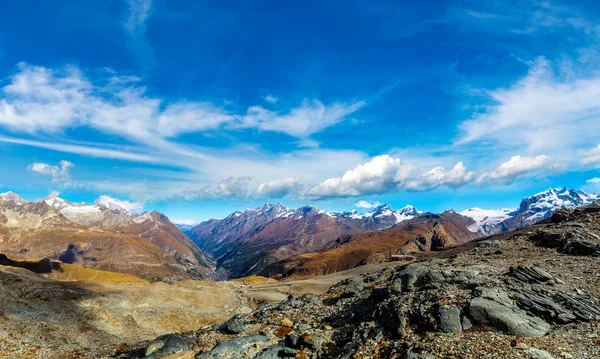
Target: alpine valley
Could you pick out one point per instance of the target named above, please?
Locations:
(97, 281)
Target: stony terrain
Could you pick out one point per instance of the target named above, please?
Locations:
(533, 293)
(67, 309)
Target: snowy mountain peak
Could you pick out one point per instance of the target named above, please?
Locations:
(12, 196)
(531, 210)
(543, 204)
(487, 220)
(109, 203)
(271, 209)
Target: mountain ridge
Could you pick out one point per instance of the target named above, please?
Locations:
(102, 236)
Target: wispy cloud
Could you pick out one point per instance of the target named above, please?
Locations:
(138, 13)
(549, 110)
(591, 157)
(60, 174)
(87, 150)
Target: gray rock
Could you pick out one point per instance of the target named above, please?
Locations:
(233, 326)
(492, 243)
(166, 345)
(353, 287)
(409, 275)
(530, 274)
(449, 320)
(538, 353)
(276, 353)
(495, 309)
(230, 347)
(395, 287)
(413, 355)
(466, 322)
(430, 279)
(584, 307)
(543, 306)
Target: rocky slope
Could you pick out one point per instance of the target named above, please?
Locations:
(56, 311)
(531, 293)
(101, 236)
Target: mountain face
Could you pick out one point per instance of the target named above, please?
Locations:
(488, 221)
(246, 242)
(424, 233)
(531, 210)
(542, 205)
(217, 237)
(101, 236)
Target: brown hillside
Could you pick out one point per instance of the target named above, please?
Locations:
(429, 232)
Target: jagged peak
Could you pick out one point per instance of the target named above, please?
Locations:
(12, 196)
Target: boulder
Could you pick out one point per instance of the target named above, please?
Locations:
(233, 326)
(227, 348)
(543, 306)
(166, 345)
(449, 320)
(276, 352)
(495, 309)
(530, 274)
(353, 287)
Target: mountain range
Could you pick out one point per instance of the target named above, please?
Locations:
(275, 240)
(101, 236)
(272, 240)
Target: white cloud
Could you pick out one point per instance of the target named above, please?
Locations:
(554, 108)
(591, 157)
(232, 187)
(38, 99)
(138, 13)
(381, 174)
(366, 204)
(311, 117)
(515, 167)
(59, 174)
(592, 185)
(87, 150)
(278, 188)
(271, 99)
(458, 176)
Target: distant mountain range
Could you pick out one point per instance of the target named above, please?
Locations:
(267, 239)
(101, 236)
(272, 240)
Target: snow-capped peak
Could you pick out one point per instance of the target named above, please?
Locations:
(486, 220)
(53, 200)
(12, 196)
(115, 204)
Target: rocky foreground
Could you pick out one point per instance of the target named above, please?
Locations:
(532, 293)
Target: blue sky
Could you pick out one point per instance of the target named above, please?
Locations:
(199, 108)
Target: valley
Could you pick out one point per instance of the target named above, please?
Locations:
(105, 286)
